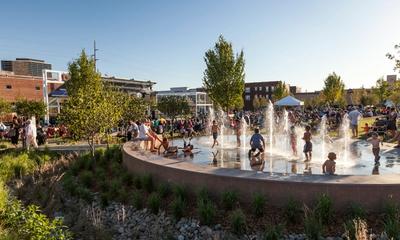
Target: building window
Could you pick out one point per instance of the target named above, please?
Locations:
(247, 97)
(37, 88)
(8, 87)
(272, 88)
(247, 90)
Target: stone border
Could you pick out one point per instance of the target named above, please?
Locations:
(369, 191)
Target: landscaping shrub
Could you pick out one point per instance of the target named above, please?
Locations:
(273, 233)
(127, 178)
(85, 194)
(16, 165)
(312, 225)
(137, 200)
(203, 195)
(391, 210)
(69, 184)
(137, 182)
(3, 146)
(324, 209)
(229, 198)
(3, 196)
(392, 228)
(207, 211)
(86, 178)
(356, 229)
(115, 187)
(104, 199)
(154, 203)
(147, 183)
(178, 206)
(163, 190)
(356, 211)
(238, 222)
(180, 192)
(30, 223)
(258, 204)
(100, 174)
(292, 211)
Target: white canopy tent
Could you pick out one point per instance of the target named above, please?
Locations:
(289, 101)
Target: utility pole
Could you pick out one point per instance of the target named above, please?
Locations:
(94, 54)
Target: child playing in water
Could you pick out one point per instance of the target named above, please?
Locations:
(293, 140)
(375, 141)
(308, 144)
(214, 131)
(329, 165)
(167, 149)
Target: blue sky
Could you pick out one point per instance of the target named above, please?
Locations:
(296, 41)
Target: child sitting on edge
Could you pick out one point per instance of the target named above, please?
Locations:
(308, 144)
(375, 141)
(167, 149)
(293, 140)
(329, 166)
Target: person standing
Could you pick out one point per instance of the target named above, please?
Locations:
(214, 131)
(354, 117)
(14, 134)
(392, 122)
(308, 144)
(30, 134)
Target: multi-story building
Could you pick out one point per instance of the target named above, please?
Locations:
(13, 87)
(25, 66)
(198, 99)
(261, 90)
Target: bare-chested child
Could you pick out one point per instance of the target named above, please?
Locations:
(293, 140)
(168, 150)
(214, 131)
(308, 144)
(376, 142)
(329, 166)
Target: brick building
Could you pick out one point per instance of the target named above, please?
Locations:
(25, 66)
(261, 90)
(14, 86)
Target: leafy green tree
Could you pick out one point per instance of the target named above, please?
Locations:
(30, 108)
(256, 102)
(395, 96)
(224, 75)
(173, 106)
(392, 56)
(263, 102)
(134, 108)
(381, 90)
(5, 107)
(91, 108)
(333, 91)
(281, 91)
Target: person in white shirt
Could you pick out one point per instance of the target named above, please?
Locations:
(30, 133)
(144, 135)
(354, 117)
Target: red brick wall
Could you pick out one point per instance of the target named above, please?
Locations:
(22, 87)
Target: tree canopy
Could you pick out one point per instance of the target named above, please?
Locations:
(381, 90)
(30, 108)
(280, 91)
(333, 91)
(224, 75)
(173, 106)
(5, 107)
(91, 108)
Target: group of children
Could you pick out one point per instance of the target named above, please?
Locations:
(328, 167)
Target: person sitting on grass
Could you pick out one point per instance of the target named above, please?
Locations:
(329, 166)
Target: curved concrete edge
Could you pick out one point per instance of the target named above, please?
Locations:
(369, 191)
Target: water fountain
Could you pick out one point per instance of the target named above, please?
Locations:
(271, 118)
(323, 132)
(243, 125)
(346, 137)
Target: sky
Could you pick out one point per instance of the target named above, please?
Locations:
(296, 41)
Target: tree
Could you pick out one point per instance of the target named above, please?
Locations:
(256, 102)
(91, 108)
(333, 91)
(263, 102)
(134, 108)
(395, 96)
(5, 107)
(381, 90)
(173, 106)
(395, 58)
(281, 91)
(30, 108)
(224, 75)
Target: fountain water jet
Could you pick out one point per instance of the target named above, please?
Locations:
(270, 118)
(323, 133)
